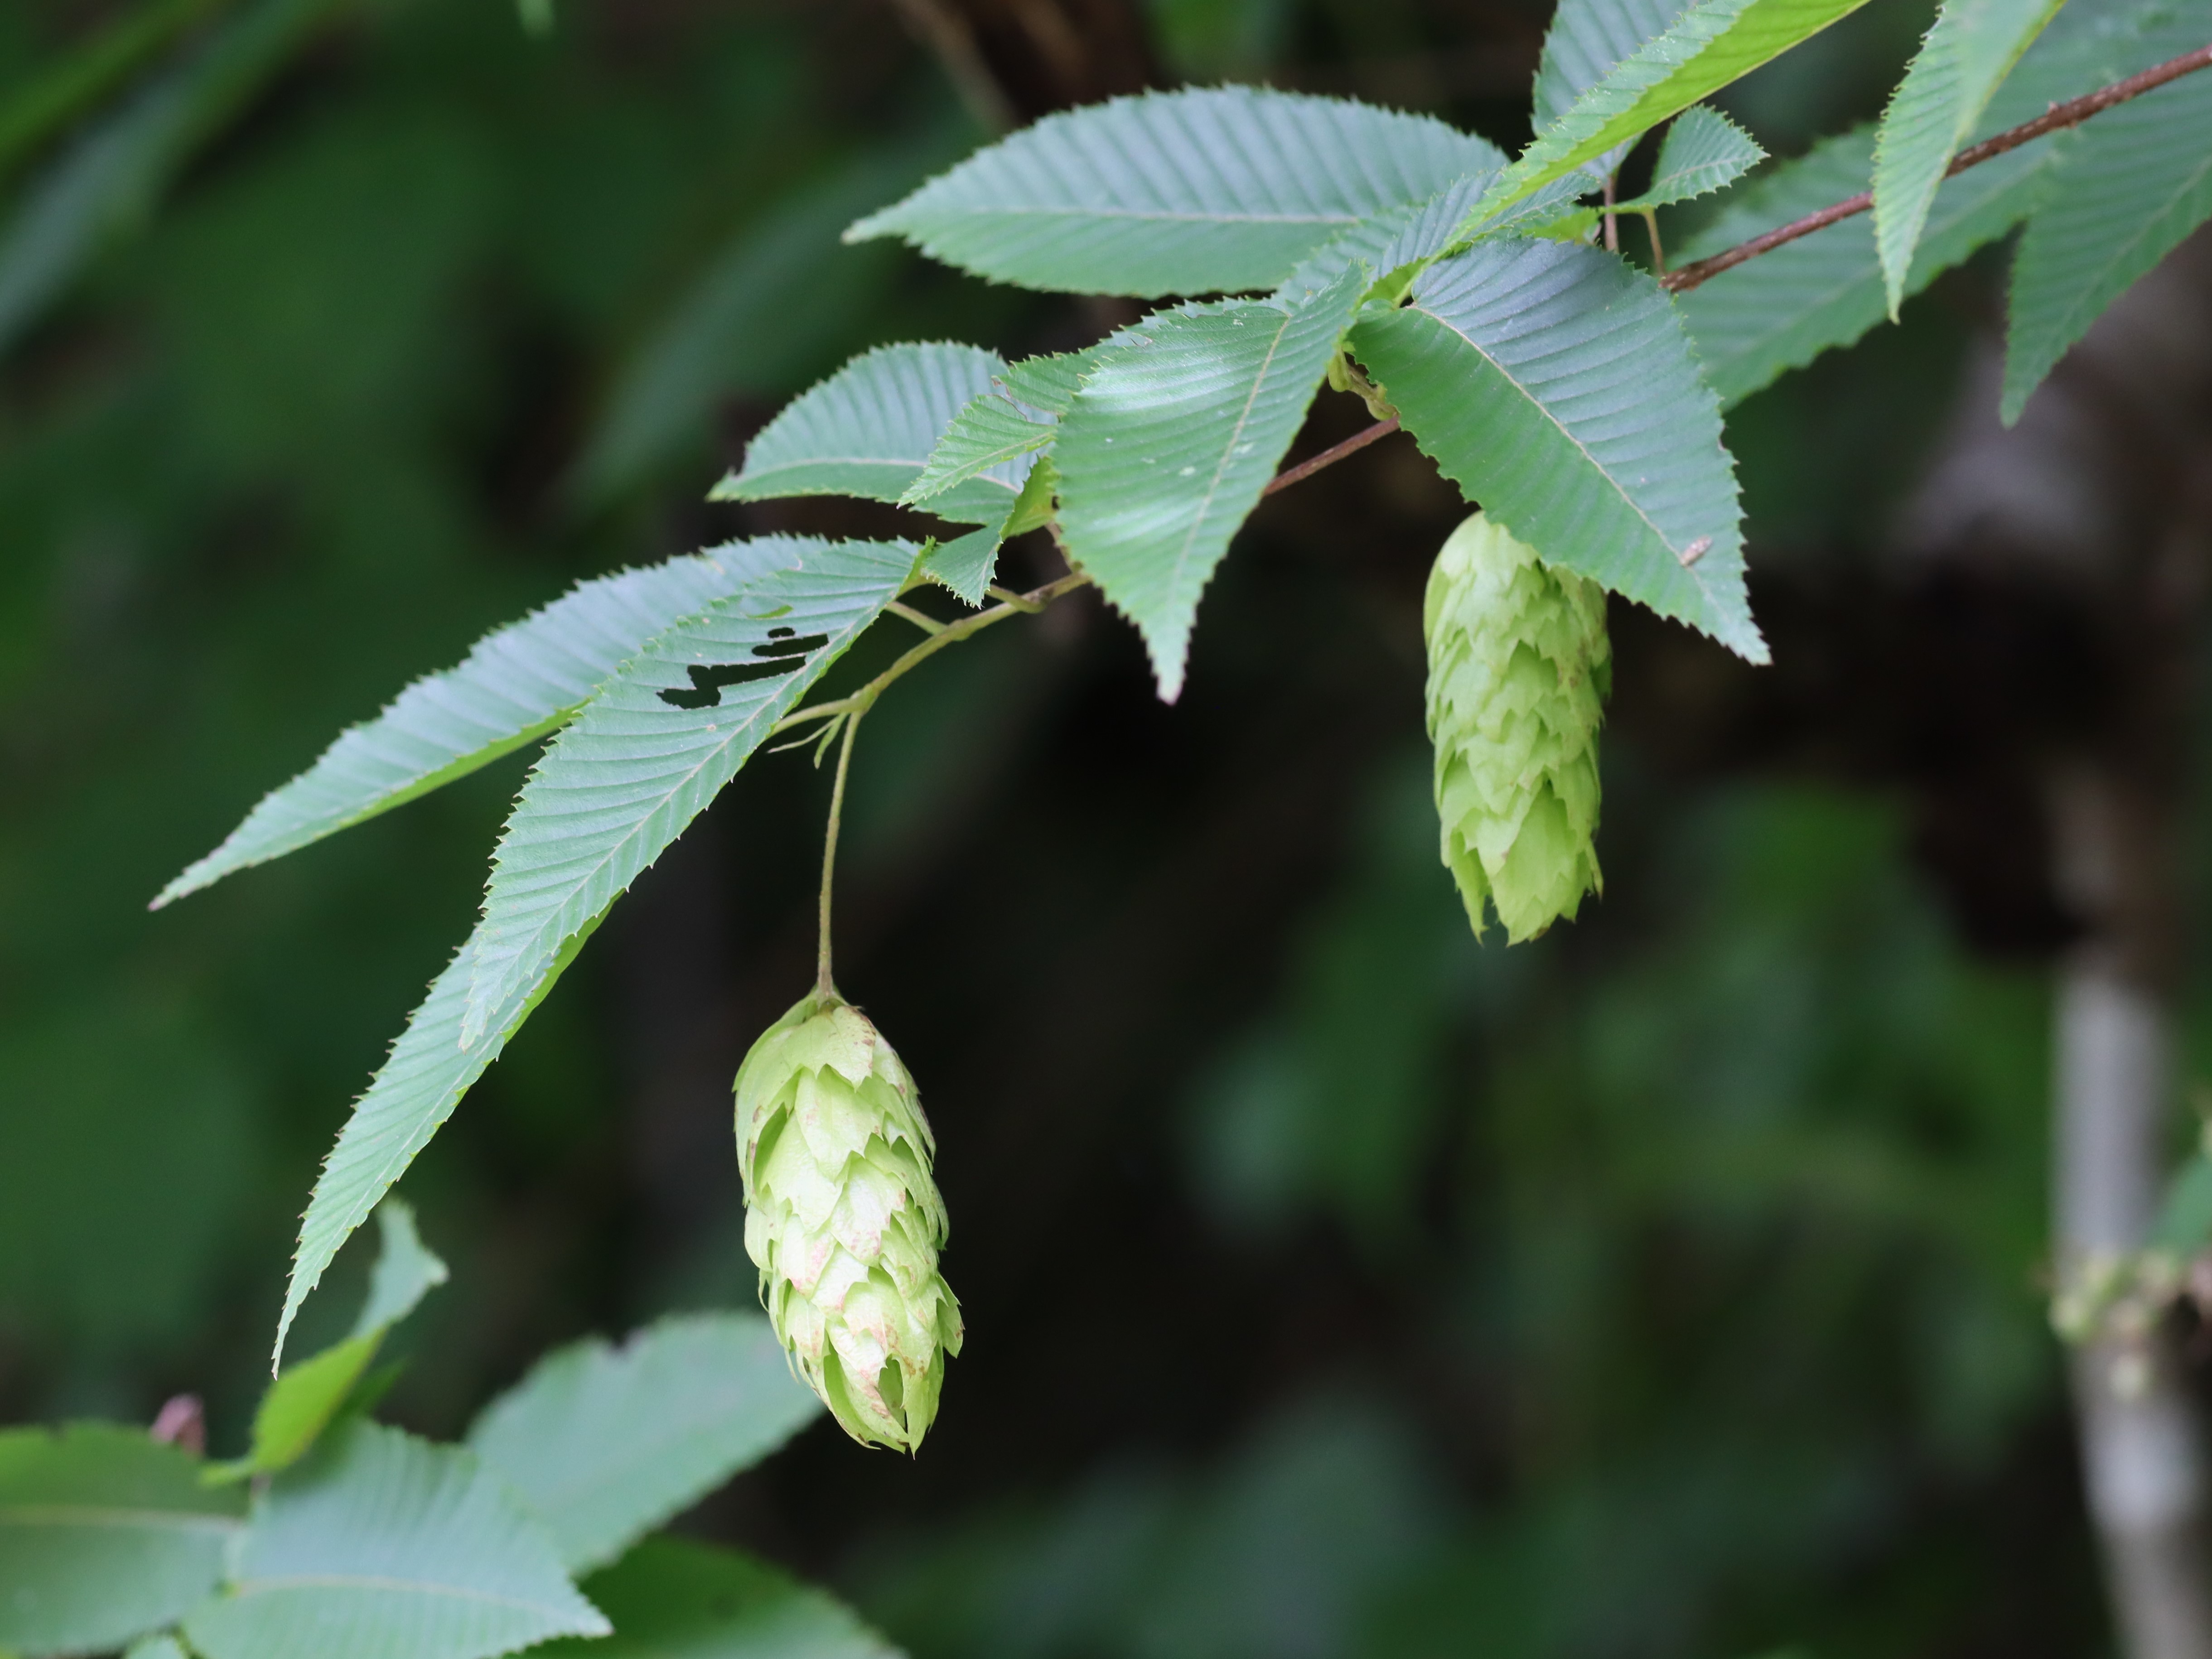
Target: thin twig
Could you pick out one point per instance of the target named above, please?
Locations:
(1651, 216)
(824, 984)
(927, 624)
(2071, 113)
(1330, 457)
(947, 34)
(1612, 222)
(952, 633)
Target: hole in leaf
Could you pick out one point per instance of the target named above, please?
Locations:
(707, 679)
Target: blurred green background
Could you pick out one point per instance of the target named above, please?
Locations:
(1335, 1285)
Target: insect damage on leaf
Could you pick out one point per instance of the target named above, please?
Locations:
(787, 655)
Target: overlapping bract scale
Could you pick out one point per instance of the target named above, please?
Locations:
(844, 1220)
(1519, 667)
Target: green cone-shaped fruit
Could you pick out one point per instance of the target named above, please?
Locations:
(1519, 667)
(844, 1220)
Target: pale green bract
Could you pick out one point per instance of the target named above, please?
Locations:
(1519, 667)
(844, 1221)
(1973, 46)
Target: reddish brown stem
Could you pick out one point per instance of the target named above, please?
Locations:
(2071, 113)
(1330, 456)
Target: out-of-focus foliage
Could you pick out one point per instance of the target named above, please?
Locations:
(1665, 1288)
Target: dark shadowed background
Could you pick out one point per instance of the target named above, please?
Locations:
(1335, 1284)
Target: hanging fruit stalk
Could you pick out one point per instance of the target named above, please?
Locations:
(843, 1216)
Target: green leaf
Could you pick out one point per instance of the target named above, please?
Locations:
(297, 1407)
(105, 1534)
(107, 181)
(1402, 237)
(989, 431)
(453, 1035)
(421, 1082)
(672, 1599)
(1389, 240)
(604, 1444)
(966, 564)
(302, 1400)
(406, 1272)
(382, 1543)
(1780, 311)
(1703, 151)
(157, 1647)
(1972, 48)
(1556, 387)
(1170, 440)
(868, 431)
(1206, 190)
(519, 682)
(2133, 183)
(1048, 384)
(1586, 38)
(657, 744)
(1710, 43)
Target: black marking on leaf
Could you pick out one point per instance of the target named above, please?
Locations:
(708, 679)
(781, 644)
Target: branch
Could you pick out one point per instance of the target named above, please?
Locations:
(2071, 113)
(1330, 456)
(859, 703)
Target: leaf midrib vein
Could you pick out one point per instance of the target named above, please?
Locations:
(92, 1515)
(1581, 448)
(1243, 418)
(1163, 215)
(379, 1582)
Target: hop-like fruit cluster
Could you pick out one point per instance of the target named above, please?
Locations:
(844, 1221)
(1519, 669)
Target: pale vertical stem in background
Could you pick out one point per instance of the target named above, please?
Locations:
(2142, 1453)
